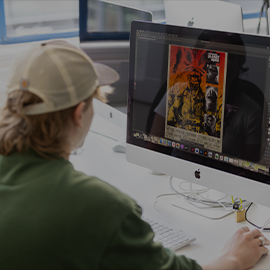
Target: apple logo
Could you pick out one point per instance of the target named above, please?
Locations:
(197, 174)
(191, 22)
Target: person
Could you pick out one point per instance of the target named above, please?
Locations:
(209, 124)
(211, 96)
(50, 214)
(187, 110)
(212, 74)
(243, 116)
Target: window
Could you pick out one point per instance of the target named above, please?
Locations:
(32, 20)
(28, 20)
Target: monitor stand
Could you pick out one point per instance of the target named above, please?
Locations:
(202, 209)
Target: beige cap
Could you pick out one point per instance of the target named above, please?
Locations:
(60, 74)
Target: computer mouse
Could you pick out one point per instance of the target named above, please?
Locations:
(119, 147)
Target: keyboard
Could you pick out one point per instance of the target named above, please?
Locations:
(169, 236)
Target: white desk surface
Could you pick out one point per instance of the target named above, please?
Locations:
(98, 159)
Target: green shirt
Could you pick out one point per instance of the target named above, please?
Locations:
(54, 217)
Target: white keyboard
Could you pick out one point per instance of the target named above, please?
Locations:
(169, 237)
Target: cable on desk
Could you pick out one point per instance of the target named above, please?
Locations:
(262, 228)
(104, 135)
(193, 196)
(177, 194)
(161, 195)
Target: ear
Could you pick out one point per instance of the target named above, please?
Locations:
(77, 114)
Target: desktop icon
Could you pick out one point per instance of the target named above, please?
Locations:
(197, 150)
(216, 156)
(245, 164)
(221, 157)
(226, 159)
(173, 144)
(186, 148)
(182, 146)
(205, 153)
(251, 166)
(241, 163)
(160, 141)
(165, 142)
(169, 143)
(201, 152)
(178, 145)
(210, 154)
(235, 161)
(192, 149)
(230, 160)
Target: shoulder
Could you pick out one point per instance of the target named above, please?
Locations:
(59, 179)
(249, 105)
(85, 191)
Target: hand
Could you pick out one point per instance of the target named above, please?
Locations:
(242, 251)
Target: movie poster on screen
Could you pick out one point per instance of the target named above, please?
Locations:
(195, 96)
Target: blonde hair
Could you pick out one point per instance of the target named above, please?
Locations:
(45, 133)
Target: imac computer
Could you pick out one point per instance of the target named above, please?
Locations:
(217, 15)
(198, 107)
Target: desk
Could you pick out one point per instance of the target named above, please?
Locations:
(99, 160)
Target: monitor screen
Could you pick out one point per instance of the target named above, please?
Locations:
(198, 106)
(106, 20)
(113, 17)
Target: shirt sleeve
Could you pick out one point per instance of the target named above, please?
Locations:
(133, 248)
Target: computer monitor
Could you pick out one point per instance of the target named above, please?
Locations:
(216, 15)
(198, 107)
(106, 20)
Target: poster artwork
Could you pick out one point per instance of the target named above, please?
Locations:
(213, 60)
(195, 95)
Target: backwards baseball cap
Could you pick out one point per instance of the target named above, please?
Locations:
(60, 74)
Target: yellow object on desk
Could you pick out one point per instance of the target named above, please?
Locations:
(240, 215)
